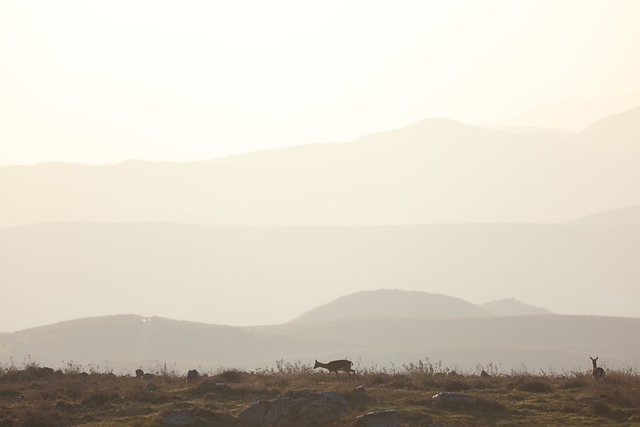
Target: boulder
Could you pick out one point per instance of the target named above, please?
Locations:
(305, 409)
(389, 418)
(360, 393)
(454, 399)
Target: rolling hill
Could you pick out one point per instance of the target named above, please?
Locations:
(392, 303)
(124, 343)
(255, 275)
(130, 341)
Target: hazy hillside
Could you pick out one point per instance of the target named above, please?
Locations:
(535, 342)
(512, 307)
(245, 275)
(550, 341)
(433, 171)
(576, 115)
(392, 303)
(618, 132)
(129, 341)
(626, 216)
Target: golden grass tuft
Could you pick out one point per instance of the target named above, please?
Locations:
(28, 398)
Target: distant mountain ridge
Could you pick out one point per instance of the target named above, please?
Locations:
(410, 304)
(434, 171)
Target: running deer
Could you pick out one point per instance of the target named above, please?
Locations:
(335, 366)
(598, 373)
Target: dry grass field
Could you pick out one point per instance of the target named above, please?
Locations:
(34, 396)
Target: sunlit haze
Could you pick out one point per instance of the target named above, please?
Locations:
(235, 183)
(102, 82)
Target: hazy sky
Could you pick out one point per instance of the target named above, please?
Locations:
(99, 82)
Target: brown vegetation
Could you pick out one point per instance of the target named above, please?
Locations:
(32, 396)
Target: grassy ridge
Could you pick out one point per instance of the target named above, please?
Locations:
(35, 396)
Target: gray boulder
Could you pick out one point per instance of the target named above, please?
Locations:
(454, 399)
(306, 409)
(389, 418)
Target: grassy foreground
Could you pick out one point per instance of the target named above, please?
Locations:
(34, 396)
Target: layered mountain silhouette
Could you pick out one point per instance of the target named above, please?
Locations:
(255, 275)
(440, 207)
(394, 303)
(433, 171)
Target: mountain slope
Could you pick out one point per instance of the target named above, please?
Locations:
(431, 172)
(625, 216)
(392, 303)
(512, 307)
(125, 343)
(129, 341)
(617, 132)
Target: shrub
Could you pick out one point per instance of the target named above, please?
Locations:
(601, 408)
(578, 382)
(99, 398)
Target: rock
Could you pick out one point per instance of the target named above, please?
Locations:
(306, 409)
(455, 399)
(178, 419)
(360, 393)
(389, 418)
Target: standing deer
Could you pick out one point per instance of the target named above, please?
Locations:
(598, 373)
(335, 366)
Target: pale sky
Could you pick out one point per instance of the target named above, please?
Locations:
(105, 81)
